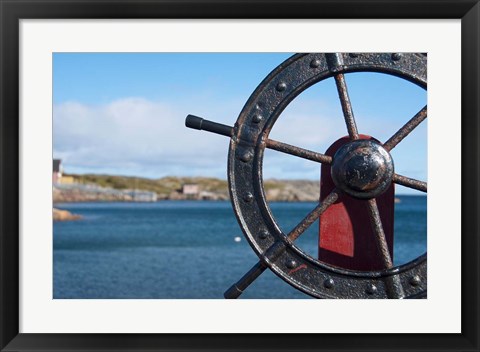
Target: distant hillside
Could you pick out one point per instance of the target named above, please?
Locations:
(170, 187)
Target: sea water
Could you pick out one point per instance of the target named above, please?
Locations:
(186, 249)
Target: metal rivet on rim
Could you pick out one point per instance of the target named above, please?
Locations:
(248, 197)
(259, 105)
(257, 118)
(371, 289)
(291, 263)
(281, 86)
(246, 156)
(315, 63)
(328, 283)
(415, 280)
(263, 234)
(353, 55)
(396, 56)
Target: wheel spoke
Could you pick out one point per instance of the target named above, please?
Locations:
(379, 233)
(313, 216)
(237, 289)
(297, 151)
(410, 182)
(346, 105)
(198, 123)
(275, 250)
(393, 285)
(406, 129)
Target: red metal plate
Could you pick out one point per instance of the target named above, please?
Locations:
(346, 238)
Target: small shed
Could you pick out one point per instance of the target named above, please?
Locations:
(57, 170)
(190, 189)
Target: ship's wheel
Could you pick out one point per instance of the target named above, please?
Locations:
(361, 168)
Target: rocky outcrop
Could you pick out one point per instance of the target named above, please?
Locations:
(82, 195)
(64, 215)
(292, 191)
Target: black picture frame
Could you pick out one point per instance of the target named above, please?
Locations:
(11, 11)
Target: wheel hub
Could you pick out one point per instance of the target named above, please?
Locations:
(362, 169)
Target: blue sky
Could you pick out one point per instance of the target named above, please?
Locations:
(124, 113)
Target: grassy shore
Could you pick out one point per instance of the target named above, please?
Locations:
(170, 187)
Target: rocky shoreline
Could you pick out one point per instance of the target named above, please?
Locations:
(170, 188)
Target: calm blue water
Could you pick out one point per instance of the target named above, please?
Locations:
(185, 249)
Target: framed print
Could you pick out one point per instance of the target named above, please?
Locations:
(144, 242)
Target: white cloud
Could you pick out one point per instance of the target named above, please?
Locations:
(142, 137)
(134, 136)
